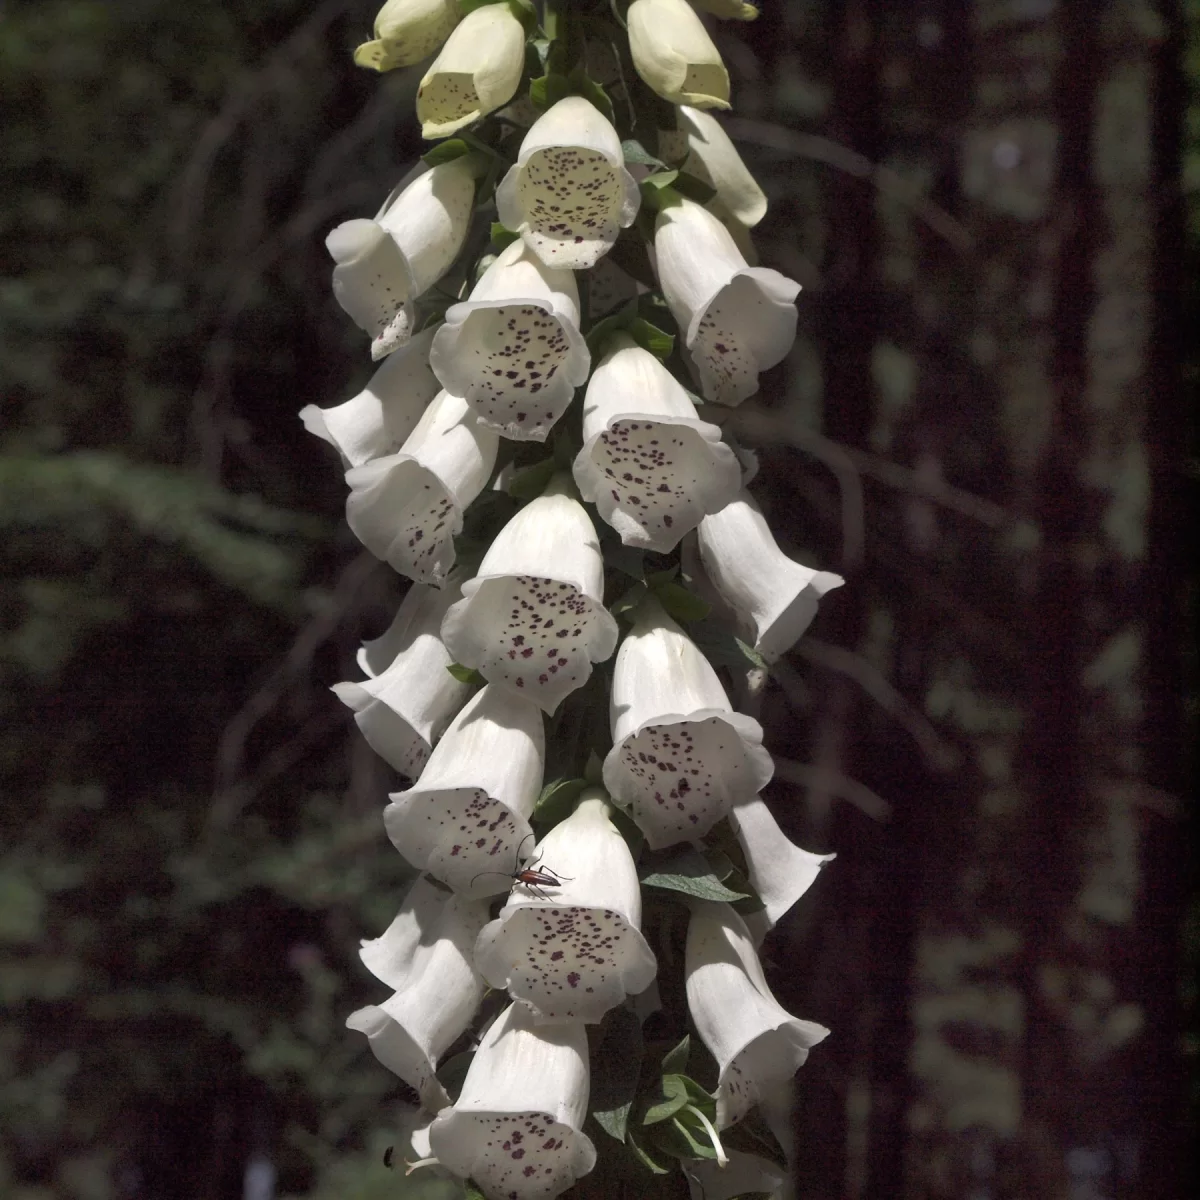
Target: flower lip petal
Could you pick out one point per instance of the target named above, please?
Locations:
(516, 1126)
(466, 819)
(407, 508)
(573, 949)
(569, 194)
(533, 620)
(755, 1041)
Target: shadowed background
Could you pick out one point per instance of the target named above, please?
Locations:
(983, 426)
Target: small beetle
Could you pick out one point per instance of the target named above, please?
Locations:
(533, 876)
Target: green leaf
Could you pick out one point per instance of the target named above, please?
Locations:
(502, 236)
(530, 482)
(601, 331)
(445, 152)
(693, 188)
(659, 180)
(688, 872)
(657, 579)
(547, 90)
(465, 674)
(675, 1060)
(644, 1158)
(722, 648)
(694, 1133)
(629, 601)
(675, 1097)
(636, 154)
(471, 1192)
(650, 337)
(681, 604)
(557, 800)
(618, 1064)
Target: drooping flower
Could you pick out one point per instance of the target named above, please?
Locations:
(712, 158)
(681, 756)
(514, 349)
(674, 55)
(477, 71)
(648, 463)
(382, 266)
(516, 1128)
(573, 952)
(465, 821)
(755, 1041)
(407, 508)
(568, 194)
(412, 697)
(776, 597)
(407, 31)
(379, 419)
(737, 320)
(780, 871)
(533, 620)
(425, 956)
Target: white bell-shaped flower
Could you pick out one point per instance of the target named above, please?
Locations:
(712, 158)
(572, 950)
(514, 349)
(737, 320)
(465, 821)
(779, 870)
(776, 597)
(648, 463)
(516, 1128)
(744, 1174)
(568, 194)
(533, 620)
(674, 55)
(681, 757)
(377, 420)
(407, 508)
(755, 1041)
(477, 71)
(383, 265)
(425, 955)
(407, 31)
(403, 709)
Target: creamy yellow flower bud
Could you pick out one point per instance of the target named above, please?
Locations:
(476, 73)
(674, 55)
(407, 31)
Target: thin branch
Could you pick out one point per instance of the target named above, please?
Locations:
(836, 784)
(939, 753)
(760, 426)
(833, 154)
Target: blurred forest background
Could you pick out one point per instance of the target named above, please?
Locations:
(985, 425)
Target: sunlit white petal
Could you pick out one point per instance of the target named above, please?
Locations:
(648, 463)
(516, 1127)
(572, 951)
(533, 620)
(713, 158)
(568, 194)
(681, 756)
(379, 419)
(465, 821)
(407, 508)
(779, 870)
(411, 699)
(674, 55)
(407, 31)
(425, 955)
(774, 595)
(737, 320)
(476, 72)
(514, 349)
(753, 1038)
